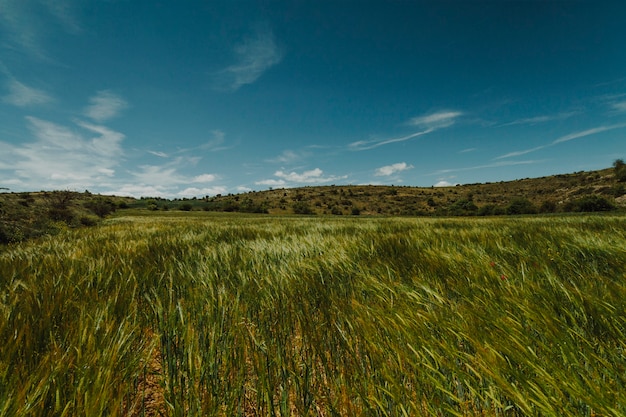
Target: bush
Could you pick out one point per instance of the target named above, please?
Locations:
(185, 207)
(101, 207)
(302, 207)
(591, 203)
(521, 206)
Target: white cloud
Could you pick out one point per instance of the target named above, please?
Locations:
(166, 180)
(314, 176)
(436, 120)
(204, 178)
(195, 192)
(159, 154)
(271, 183)
(254, 56)
(104, 106)
(443, 183)
(22, 95)
(392, 169)
(62, 156)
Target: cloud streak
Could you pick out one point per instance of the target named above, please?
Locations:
(494, 165)
(436, 120)
(253, 57)
(541, 119)
(428, 123)
(566, 138)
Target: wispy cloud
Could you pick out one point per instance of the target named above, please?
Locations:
(519, 153)
(436, 120)
(494, 165)
(22, 95)
(428, 123)
(216, 142)
(587, 132)
(364, 145)
(389, 170)
(287, 157)
(619, 107)
(253, 57)
(159, 154)
(541, 119)
(104, 106)
(566, 138)
(26, 31)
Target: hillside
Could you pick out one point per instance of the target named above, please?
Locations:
(26, 215)
(581, 191)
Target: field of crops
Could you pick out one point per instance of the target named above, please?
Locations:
(200, 314)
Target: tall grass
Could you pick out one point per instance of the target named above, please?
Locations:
(259, 316)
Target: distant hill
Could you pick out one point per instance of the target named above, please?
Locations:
(30, 214)
(580, 191)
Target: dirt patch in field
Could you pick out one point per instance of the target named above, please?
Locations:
(149, 399)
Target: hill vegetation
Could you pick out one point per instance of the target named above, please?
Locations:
(578, 192)
(26, 215)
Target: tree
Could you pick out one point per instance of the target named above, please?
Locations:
(620, 170)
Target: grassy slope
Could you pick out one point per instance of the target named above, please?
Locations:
(262, 315)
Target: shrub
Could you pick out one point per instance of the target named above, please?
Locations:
(185, 207)
(521, 206)
(101, 207)
(302, 207)
(592, 203)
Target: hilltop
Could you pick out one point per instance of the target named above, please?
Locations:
(30, 214)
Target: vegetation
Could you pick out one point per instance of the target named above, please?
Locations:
(28, 215)
(193, 313)
(553, 194)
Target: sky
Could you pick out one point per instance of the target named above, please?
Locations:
(182, 99)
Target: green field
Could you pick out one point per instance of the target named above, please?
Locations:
(199, 314)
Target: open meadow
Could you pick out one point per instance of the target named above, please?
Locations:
(205, 314)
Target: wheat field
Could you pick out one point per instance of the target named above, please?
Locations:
(200, 314)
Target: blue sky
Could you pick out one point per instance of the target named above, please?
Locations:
(194, 98)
